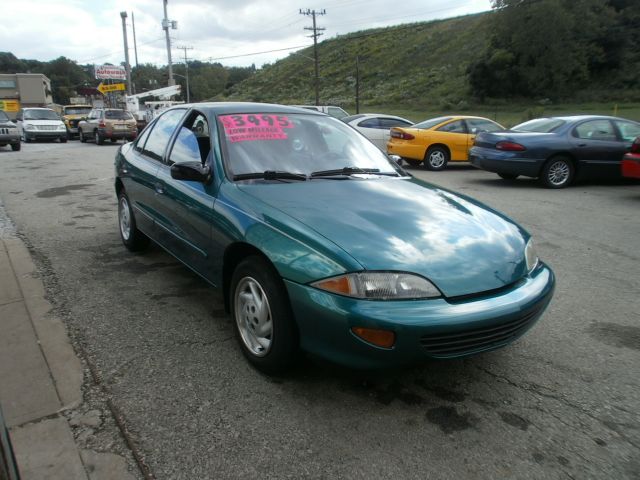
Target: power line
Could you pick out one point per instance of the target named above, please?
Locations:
(184, 48)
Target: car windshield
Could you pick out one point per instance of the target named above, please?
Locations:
(76, 110)
(40, 115)
(432, 122)
(3, 117)
(298, 144)
(117, 115)
(540, 125)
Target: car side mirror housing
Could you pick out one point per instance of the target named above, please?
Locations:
(192, 171)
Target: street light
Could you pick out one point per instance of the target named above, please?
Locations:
(187, 79)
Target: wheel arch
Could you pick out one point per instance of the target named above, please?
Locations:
(564, 154)
(433, 145)
(119, 186)
(233, 255)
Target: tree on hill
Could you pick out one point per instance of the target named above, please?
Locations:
(546, 47)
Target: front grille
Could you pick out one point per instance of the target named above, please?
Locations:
(73, 123)
(47, 127)
(467, 341)
(4, 131)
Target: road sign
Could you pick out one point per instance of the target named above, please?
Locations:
(110, 71)
(9, 105)
(102, 88)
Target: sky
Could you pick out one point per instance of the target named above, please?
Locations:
(231, 32)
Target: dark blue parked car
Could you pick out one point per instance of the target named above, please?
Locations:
(557, 149)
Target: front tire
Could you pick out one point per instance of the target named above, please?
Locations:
(15, 147)
(262, 316)
(412, 162)
(99, 139)
(63, 139)
(558, 172)
(132, 238)
(83, 139)
(436, 158)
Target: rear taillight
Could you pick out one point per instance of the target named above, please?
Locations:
(101, 124)
(401, 135)
(635, 147)
(510, 146)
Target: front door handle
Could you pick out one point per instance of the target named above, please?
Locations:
(159, 188)
(582, 144)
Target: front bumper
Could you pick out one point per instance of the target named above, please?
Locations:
(6, 138)
(44, 134)
(437, 328)
(509, 163)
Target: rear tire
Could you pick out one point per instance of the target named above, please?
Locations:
(83, 139)
(99, 139)
(114, 140)
(436, 158)
(558, 172)
(132, 238)
(507, 176)
(262, 316)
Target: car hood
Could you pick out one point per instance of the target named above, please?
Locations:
(462, 246)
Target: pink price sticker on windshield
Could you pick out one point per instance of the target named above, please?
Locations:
(255, 126)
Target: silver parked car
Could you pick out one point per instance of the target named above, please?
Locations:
(376, 126)
(9, 134)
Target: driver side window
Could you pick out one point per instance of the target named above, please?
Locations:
(193, 142)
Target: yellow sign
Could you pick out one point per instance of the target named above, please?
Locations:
(9, 105)
(102, 88)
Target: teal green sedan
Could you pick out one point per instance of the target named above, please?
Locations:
(320, 243)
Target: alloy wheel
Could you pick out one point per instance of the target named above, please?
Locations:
(558, 173)
(437, 158)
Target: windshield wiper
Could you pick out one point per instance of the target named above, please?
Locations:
(346, 171)
(271, 175)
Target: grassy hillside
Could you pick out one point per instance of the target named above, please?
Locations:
(421, 65)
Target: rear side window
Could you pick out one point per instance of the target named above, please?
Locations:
(388, 123)
(454, 127)
(596, 130)
(117, 115)
(370, 123)
(159, 137)
(139, 145)
(431, 122)
(540, 125)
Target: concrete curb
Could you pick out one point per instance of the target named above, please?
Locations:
(40, 377)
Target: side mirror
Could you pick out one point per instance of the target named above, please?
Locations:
(192, 171)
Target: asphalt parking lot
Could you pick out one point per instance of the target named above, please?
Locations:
(562, 402)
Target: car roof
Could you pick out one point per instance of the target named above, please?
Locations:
(37, 108)
(575, 118)
(363, 116)
(227, 108)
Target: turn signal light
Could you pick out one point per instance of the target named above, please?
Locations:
(379, 338)
(635, 148)
(510, 146)
(401, 135)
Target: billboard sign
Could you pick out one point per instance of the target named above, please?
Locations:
(115, 72)
(9, 105)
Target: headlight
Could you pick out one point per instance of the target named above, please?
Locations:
(531, 256)
(62, 127)
(379, 286)
(29, 126)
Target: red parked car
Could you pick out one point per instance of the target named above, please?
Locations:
(631, 161)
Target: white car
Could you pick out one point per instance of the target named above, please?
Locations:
(40, 124)
(376, 126)
(336, 112)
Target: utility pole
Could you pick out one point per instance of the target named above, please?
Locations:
(135, 43)
(166, 23)
(357, 84)
(186, 67)
(127, 67)
(315, 36)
